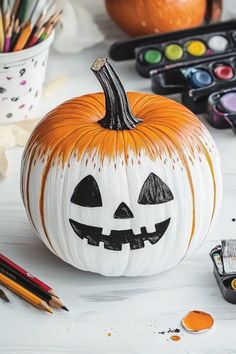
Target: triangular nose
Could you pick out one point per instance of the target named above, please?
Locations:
(123, 212)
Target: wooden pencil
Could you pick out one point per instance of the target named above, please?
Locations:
(24, 293)
(7, 19)
(27, 284)
(27, 275)
(35, 38)
(23, 37)
(7, 43)
(2, 36)
(15, 8)
(3, 296)
(22, 10)
(15, 36)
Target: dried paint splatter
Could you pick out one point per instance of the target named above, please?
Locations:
(175, 338)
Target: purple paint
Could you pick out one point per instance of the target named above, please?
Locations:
(21, 106)
(8, 77)
(23, 82)
(228, 102)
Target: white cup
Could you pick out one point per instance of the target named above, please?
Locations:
(21, 82)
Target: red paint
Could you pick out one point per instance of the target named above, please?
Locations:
(223, 72)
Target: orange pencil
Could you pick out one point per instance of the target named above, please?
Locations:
(23, 37)
(24, 293)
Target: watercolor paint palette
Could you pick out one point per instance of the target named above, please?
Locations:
(125, 50)
(196, 83)
(185, 49)
(223, 279)
(222, 109)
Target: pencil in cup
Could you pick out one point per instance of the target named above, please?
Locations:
(23, 37)
(24, 293)
(28, 275)
(27, 284)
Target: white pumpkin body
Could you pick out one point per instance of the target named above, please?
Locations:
(118, 184)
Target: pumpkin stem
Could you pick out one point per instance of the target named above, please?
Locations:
(118, 115)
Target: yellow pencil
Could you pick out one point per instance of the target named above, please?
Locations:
(2, 36)
(24, 293)
(7, 19)
(23, 37)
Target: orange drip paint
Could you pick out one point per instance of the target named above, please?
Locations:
(72, 129)
(213, 178)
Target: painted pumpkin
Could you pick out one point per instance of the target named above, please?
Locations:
(121, 184)
(140, 18)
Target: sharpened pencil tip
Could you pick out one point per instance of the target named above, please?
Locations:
(65, 308)
(50, 311)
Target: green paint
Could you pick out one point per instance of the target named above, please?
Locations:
(152, 56)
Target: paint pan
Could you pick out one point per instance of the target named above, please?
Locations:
(222, 109)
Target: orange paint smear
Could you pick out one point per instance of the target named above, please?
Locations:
(72, 129)
(196, 321)
(175, 338)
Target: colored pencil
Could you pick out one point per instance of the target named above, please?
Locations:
(24, 293)
(22, 10)
(3, 296)
(15, 8)
(2, 36)
(28, 21)
(27, 275)
(32, 41)
(15, 34)
(7, 19)
(23, 37)
(7, 43)
(27, 284)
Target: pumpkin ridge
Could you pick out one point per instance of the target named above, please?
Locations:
(185, 163)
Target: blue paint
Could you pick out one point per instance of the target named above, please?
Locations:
(199, 78)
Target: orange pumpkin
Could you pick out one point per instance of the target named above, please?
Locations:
(140, 18)
(121, 184)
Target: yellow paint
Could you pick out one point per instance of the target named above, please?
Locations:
(195, 48)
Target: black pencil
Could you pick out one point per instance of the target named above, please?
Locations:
(27, 284)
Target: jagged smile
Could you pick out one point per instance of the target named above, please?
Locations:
(117, 238)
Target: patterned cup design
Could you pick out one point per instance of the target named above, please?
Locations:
(21, 82)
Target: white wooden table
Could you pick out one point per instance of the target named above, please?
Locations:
(133, 310)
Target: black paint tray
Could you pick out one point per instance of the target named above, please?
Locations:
(223, 279)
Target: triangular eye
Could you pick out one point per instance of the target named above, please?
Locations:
(154, 191)
(87, 193)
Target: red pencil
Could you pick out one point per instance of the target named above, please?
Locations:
(27, 275)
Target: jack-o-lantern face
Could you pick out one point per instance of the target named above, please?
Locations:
(87, 194)
(121, 184)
